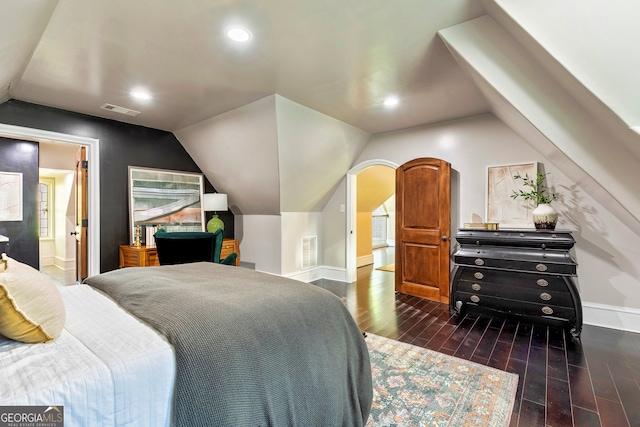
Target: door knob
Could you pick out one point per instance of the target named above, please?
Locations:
(443, 238)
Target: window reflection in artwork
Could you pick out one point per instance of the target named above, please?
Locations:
(165, 198)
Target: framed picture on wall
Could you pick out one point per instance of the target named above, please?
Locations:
(170, 199)
(501, 207)
(10, 196)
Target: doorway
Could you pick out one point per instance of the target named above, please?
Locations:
(359, 246)
(92, 144)
(56, 221)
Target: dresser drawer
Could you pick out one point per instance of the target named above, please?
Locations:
(518, 238)
(538, 261)
(511, 278)
(516, 307)
(540, 296)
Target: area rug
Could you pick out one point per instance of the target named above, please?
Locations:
(390, 267)
(414, 386)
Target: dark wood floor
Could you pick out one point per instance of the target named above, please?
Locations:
(594, 381)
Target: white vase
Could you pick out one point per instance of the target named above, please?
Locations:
(545, 217)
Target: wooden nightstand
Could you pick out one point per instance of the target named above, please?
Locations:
(131, 256)
(229, 246)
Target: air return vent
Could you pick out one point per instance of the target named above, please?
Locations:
(309, 252)
(121, 110)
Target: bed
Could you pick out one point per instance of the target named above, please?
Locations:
(230, 346)
(106, 368)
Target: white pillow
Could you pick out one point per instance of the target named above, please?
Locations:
(31, 308)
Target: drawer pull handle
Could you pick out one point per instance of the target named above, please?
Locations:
(478, 275)
(476, 287)
(479, 261)
(542, 282)
(547, 310)
(478, 242)
(521, 234)
(541, 267)
(475, 298)
(545, 296)
(544, 246)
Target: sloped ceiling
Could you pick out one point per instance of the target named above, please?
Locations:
(374, 187)
(21, 29)
(274, 155)
(534, 103)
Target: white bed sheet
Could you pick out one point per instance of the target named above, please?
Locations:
(107, 368)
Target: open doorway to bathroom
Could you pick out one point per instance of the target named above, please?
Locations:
(56, 211)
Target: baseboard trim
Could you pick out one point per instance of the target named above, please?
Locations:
(609, 316)
(322, 272)
(65, 263)
(306, 275)
(364, 260)
(334, 273)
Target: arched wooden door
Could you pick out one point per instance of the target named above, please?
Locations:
(423, 224)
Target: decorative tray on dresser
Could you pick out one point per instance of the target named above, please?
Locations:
(525, 273)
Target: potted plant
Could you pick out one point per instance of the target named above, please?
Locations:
(544, 215)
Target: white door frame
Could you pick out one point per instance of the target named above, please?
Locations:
(93, 148)
(352, 269)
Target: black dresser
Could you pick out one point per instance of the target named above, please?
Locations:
(528, 274)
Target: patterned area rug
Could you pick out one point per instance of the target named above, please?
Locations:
(390, 267)
(414, 386)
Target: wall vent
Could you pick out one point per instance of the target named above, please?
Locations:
(309, 252)
(121, 110)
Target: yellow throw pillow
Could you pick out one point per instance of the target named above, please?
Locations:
(31, 308)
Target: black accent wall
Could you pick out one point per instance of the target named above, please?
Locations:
(121, 145)
(22, 157)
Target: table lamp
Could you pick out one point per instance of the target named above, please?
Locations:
(214, 202)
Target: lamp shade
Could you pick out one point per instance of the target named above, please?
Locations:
(214, 202)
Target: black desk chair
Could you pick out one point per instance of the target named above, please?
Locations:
(181, 247)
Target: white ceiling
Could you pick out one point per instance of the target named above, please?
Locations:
(338, 57)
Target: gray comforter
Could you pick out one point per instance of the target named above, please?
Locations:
(252, 349)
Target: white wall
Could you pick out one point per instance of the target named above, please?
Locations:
(260, 241)
(606, 250)
(334, 229)
(295, 226)
(314, 153)
(238, 153)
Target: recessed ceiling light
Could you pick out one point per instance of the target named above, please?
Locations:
(140, 93)
(239, 34)
(391, 101)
